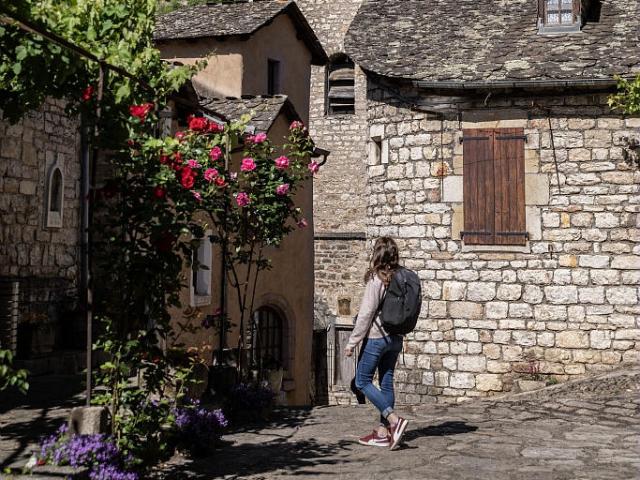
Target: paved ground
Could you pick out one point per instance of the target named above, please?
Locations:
(24, 419)
(576, 431)
(583, 430)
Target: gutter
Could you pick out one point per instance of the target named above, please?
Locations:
(479, 85)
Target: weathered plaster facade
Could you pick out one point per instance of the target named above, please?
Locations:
(567, 302)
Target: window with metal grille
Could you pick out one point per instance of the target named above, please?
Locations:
(493, 187)
(267, 340)
(340, 86)
(557, 16)
(273, 73)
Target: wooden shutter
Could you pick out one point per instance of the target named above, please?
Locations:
(493, 183)
(510, 224)
(478, 187)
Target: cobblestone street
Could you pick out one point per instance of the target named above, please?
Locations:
(580, 430)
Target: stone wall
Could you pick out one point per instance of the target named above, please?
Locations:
(44, 261)
(565, 304)
(340, 189)
(28, 149)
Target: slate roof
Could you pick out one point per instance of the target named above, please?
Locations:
(490, 41)
(264, 109)
(220, 20)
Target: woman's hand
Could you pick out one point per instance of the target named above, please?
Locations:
(348, 351)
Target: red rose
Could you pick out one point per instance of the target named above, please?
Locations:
(220, 181)
(214, 127)
(179, 136)
(188, 177)
(159, 192)
(164, 159)
(198, 124)
(140, 111)
(87, 93)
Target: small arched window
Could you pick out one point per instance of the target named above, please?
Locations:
(340, 86)
(55, 197)
(267, 340)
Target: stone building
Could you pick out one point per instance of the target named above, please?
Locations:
(259, 59)
(552, 290)
(496, 162)
(338, 121)
(40, 208)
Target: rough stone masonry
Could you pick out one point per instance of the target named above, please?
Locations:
(565, 304)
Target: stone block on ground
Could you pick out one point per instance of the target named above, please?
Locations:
(88, 420)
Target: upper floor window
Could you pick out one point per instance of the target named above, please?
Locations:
(558, 16)
(340, 86)
(273, 80)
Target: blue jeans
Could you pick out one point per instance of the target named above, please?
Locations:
(381, 354)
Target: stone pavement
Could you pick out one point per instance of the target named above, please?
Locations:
(575, 431)
(24, 419)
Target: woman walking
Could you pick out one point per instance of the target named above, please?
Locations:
(381, 349)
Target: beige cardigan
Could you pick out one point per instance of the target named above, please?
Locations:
(366, 324)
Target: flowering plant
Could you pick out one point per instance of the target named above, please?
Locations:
(198, 428)
(249, 400)
(97, 452)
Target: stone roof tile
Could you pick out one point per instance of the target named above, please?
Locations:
(263, 109)
(220, 20)
(490, 41)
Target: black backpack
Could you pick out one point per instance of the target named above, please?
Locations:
(402, 302)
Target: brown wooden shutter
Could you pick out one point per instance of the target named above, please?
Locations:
(510, 219)
(478, 187)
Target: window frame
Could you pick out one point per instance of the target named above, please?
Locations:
(197, 274)
(274, 76)
(276, 337)
(575, 25)
(54, 217)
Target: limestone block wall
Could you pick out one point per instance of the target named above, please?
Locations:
(27, 152)
(563, 305)
(340, 189)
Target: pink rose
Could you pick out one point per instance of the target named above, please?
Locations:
(180, 136)
(314, 167)
(282, 162)
(210, 174)
(296, 124)
(193, 163)
(259, 138)
(197, 195)
(248, 164)
(242, 199)
(302, 223)
(282, 189)
(215, 153)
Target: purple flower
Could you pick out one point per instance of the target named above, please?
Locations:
(198, 427)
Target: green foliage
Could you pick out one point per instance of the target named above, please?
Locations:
(116, 31)
(627, 99)
(9, 376)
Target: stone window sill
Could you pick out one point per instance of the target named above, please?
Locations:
(201, 300)
(497, 248)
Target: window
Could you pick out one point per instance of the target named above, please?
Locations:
(267, 340)
(201, 272)
(493, 187)
(273, 82)
(55, 197)
(340, 87)
(558, 16)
